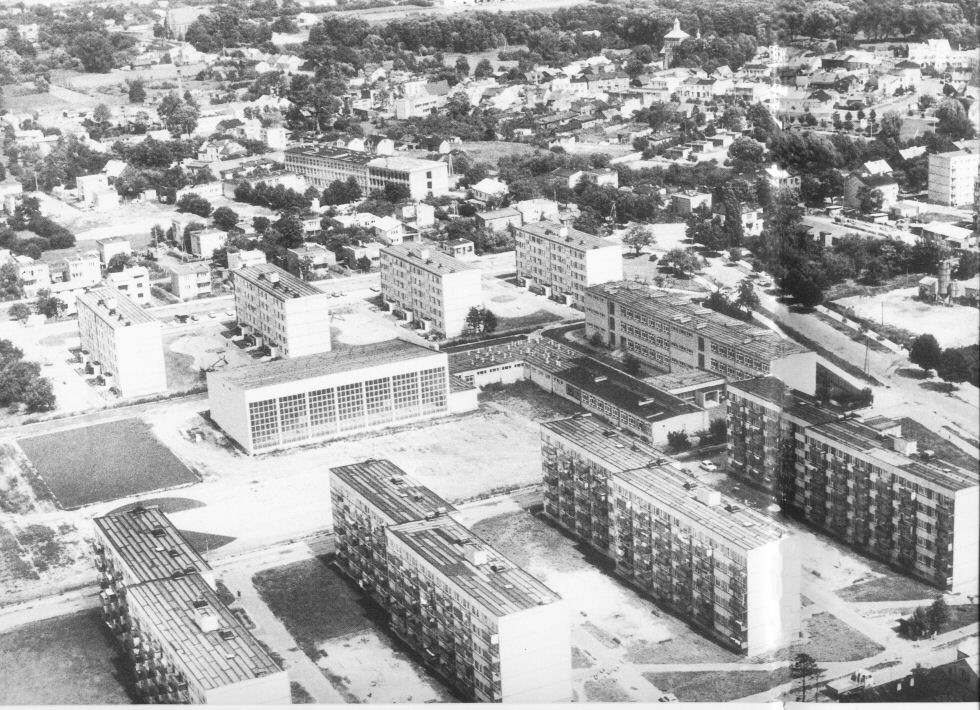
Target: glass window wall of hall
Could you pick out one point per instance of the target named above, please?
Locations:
(359, 405)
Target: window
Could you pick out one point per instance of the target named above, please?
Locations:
(323, 412)
(377, 396)
(433, 390)
(263, 423)
(350, 406)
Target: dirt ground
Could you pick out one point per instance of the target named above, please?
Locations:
(901, 309)
(508, 301)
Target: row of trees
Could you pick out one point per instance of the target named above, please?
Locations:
(925, 621)
(21, 382)
(953, 365)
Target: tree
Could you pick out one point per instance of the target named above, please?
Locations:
(364, 264)
(968, 266)
(746, 154)
(483, 69)
(260, 224)
(119, 262)
(937, 615)
(137, 91)
(396, 192)
(462, 67)
(747, 297)
(480, 320)
(178, 115)
(803, 667)
(869, 200)
(101, 114)
(194, 203)
(225, 218)
(678, 441)
(290, 230)
(47, 305)
(925, 352)
(631, 364)
(953, 121)
(19, 311)
(638, 237)
(94, 51)
(954, 366)
(683, 261)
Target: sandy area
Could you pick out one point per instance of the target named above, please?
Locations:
(509, 301)
(947, 323)
(366, 666)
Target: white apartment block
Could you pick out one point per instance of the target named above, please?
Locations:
(478, 620)
(133, 282)
(33, 275)
(204, 242)
(190, 281)
(111, 246)
(293, 402)
(430, 287)
(248, 257)
(281, 311)
(81, 269)
(719, 565)
(952, 177)
(674, 335)
(321, 166)
(563, 262)
(123, 341)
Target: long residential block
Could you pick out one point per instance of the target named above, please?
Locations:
(182, 642)
(121, 341)
(478, 620)
(673, 334)
(281, 311)
(430, 287)
(724, 568)
(562, 262)
(292, 402)
(861, 479)
(322, 165)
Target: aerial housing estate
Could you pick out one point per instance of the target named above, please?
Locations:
(121, 342)
(722, 567)
(482, 623)
(159, 601)
(561, 262)
(430, 287)
(861, 479)
(280, 311)
(670, 333)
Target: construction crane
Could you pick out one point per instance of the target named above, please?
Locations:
(221, 361)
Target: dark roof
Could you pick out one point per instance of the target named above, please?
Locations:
(394, 493)
(798, 405)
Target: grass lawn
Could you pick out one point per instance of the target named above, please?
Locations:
(313, 602)
(961, 615)
(166, 505)
(104, 462)
(830, 639)
(890, 588)
(928, 439)
(523, 537)
(181, 373)
(299, 694)
(539, 317)
(66, 660)
(606, 690)
(205, 542)
(686, 648)
(717, 686)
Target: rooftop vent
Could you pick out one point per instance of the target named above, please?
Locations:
(226, 634)
(158, 531)
(476, 556)
(708, 497)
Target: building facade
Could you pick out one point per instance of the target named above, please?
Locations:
(121, 341)
(482, 623)
(190, 281)
(564, 262)
(671, 334)
(133, 282)
(861, 480)
(952, 177)
(321, 166)
(725, 569)
(181, 641)
(292, 402)
(281, 311)
(430, 287)
(111, 246)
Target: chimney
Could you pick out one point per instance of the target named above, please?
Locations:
(563, 231)
(273, 277)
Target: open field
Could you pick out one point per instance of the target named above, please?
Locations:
(104, 462)
(887, 589)
(717, 686)
(61, 661)
(830, 639)
(901, 309)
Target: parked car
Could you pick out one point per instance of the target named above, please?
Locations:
(708, 466)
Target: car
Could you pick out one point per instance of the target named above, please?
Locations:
(212, 315)
(230, 314)
(195, 318)
(667, 698)
(335, 294)
(708, 466)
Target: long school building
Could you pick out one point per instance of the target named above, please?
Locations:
(292, 402)
(483, 624)
(723, 568)
(321, 166)
(861, 480)
(673, 334)
(159, 601)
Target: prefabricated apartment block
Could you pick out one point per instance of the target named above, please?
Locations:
(182, 642)
(670, 333)
(859, 479)
(292, 402)
(121, 341)
(561, 262)
(430, 287)
(281, 311)
(720, 566)
(482, 623)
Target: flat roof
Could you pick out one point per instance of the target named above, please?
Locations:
(193, 268)
(552, 231)
(731, 522)
(479, 571)
(344, 359)
(794, 403)
(751, 339)
(400, 162)
(172, 608)
(684, 380)
(114, 307)
(146, 540)
(617, 451)
(111, 240)
(872, 443)
(395, 494)
(628, 393)
(428, 258)
(277, 282)
(356, 157)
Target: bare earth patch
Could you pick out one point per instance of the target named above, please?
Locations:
(717, 686)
